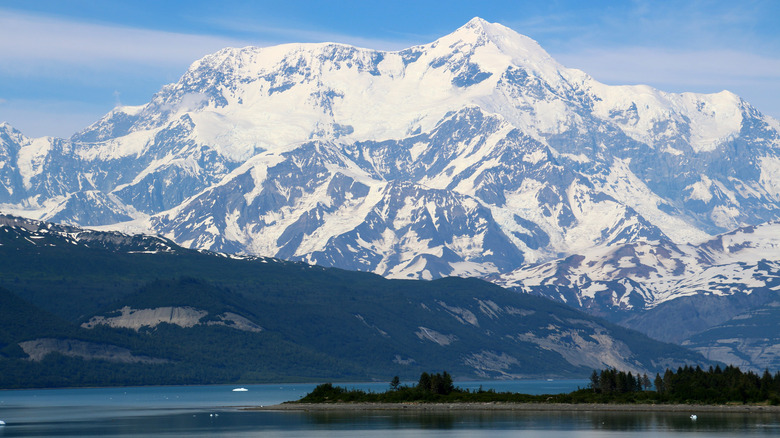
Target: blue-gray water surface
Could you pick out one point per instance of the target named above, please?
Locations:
(199, 411)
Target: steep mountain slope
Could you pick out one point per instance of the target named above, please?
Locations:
(87, 308)
(675, 293)
(642, 275)
(749, 339)
(470, 155)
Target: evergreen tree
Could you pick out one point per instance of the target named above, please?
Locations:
(447, 384)
(394, 383)
(594, 381)
(659, 384)
(607, 381)
(437, 384)
(646, 382)
(424, 384)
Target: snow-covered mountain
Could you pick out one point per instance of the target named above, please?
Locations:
(637, 276)
(719, 297)
(476, 154)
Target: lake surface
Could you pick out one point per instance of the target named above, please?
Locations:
(211, 411)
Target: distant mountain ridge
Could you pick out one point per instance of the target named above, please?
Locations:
(718, 297)
(654, 272)
(76, 312)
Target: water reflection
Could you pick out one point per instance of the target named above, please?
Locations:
(236, 423)
(706, 422)
(607, 421)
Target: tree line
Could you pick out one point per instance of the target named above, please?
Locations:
(717, 385)
(692, 385)
(685, 385)
(610, 381)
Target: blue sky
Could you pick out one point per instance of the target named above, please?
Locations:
(63, 64)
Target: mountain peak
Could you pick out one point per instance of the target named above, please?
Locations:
(5, 126)
(521, 49)
(478, 23)
(480, 27)
(8, 130)
(483, 26)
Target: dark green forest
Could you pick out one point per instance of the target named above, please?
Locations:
(687, 385)
(318, 324)
(718, 386)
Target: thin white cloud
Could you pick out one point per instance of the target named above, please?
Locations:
(38, 118)
(27, 39)
(280, 34)
(693, 68)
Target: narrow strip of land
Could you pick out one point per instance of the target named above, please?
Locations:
(690, 390)
(547, 407)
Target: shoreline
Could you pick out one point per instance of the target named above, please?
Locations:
(525, 407)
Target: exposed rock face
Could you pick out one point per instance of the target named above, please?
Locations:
(749, 339)
(238, 322)
(490, 363)
(137, 319)
(435, 337)
(38, 349)
(597, 348)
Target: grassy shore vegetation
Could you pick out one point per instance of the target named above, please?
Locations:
(687, 385)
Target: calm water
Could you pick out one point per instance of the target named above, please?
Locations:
(211, 411)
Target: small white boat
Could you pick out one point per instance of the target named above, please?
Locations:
(694, 417)
(2, 423)
(240, 390)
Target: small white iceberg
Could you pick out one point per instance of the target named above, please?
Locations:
(240, 390)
